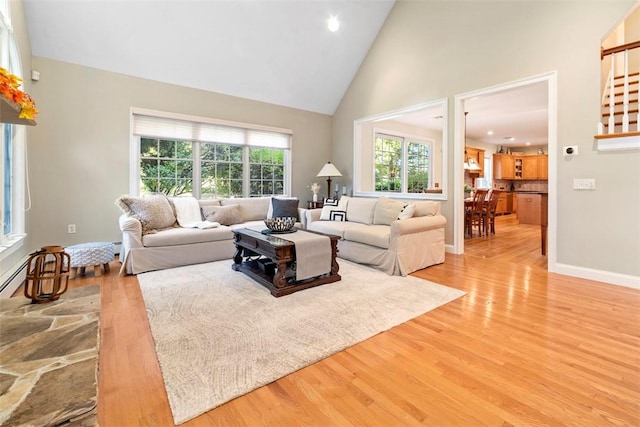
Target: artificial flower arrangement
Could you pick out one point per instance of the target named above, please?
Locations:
(9, 88)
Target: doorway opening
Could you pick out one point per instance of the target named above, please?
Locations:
(513, 97)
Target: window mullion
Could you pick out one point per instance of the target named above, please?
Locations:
(196, 169)
(246, 175)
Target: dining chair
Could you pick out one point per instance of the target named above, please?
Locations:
(490, 214)
(475, 214)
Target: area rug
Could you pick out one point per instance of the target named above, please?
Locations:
(48, 360)
(219, 334)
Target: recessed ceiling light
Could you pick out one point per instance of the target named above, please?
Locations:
(490, 132)
(333, 24)
(528, 143)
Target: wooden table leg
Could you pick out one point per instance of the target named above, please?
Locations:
(279, 280)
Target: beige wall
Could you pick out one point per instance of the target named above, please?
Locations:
(79, 151)
(432, 50)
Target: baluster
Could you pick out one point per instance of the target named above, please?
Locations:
(612, 96)
(625, 94)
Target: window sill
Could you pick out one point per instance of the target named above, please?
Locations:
(9, 245)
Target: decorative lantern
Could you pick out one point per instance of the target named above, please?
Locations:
(47, 274)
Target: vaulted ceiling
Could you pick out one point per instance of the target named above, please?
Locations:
(280, 52)
(276, 51)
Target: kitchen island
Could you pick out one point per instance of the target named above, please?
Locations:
(532, 209)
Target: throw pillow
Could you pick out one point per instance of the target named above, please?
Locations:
(387, 210)
(333, 205)
(154, 212)
(426, 208)
(338, 216)
(284, 207)
(407, 211)
(225, 215)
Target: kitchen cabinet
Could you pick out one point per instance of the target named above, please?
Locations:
(475, 155)
(505, 203)
(529, 208)
(543, 166)
(503, 167)
(517, 167)
(530, 167)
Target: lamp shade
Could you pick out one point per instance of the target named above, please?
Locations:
(329, 170)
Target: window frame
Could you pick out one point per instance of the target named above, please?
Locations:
(13, 240)
(405, 139)
(248, 129)
(364, 169)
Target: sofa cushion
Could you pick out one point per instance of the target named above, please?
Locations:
(373, 235)
(154, 212)
(225, 215)
(185, 236)
(209, 202)
(427, 208)
(334, 227)
(284, 207)
(387, 210)
(361, 210)
(251, 208)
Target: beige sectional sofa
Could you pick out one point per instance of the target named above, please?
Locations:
(153, 240)
(372, 234)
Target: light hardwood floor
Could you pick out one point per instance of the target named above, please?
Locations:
(523, 347)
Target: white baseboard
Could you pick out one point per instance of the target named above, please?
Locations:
(599, 275)
(588, 273)
(449, 249)
(12, 280)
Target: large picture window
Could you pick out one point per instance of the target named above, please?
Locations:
(402, 164)
(207, 158)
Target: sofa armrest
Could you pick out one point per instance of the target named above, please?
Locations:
(417, 224)
(312, 215)
(302, 217)
(131, 232)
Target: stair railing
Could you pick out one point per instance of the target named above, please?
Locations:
(610, 88)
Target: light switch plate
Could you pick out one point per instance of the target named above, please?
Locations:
(584, 184)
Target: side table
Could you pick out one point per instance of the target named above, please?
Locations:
(314, 205)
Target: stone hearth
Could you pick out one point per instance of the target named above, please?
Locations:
(48, 360)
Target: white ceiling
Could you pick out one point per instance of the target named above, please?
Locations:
(279, 52)
(276, 51)
(521, 113)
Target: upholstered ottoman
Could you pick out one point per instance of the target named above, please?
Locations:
(95, 254)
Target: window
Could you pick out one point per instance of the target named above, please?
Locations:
(402, 165)
(207, 158)
(12, 150)
(487, 180)
(402, 153)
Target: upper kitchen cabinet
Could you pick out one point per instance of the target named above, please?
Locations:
(530, 167)
(543, 166)
(520, 167)
(503, 166)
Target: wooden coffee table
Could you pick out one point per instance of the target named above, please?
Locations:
(274, 271)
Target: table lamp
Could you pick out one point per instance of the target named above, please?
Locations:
(329, 170)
